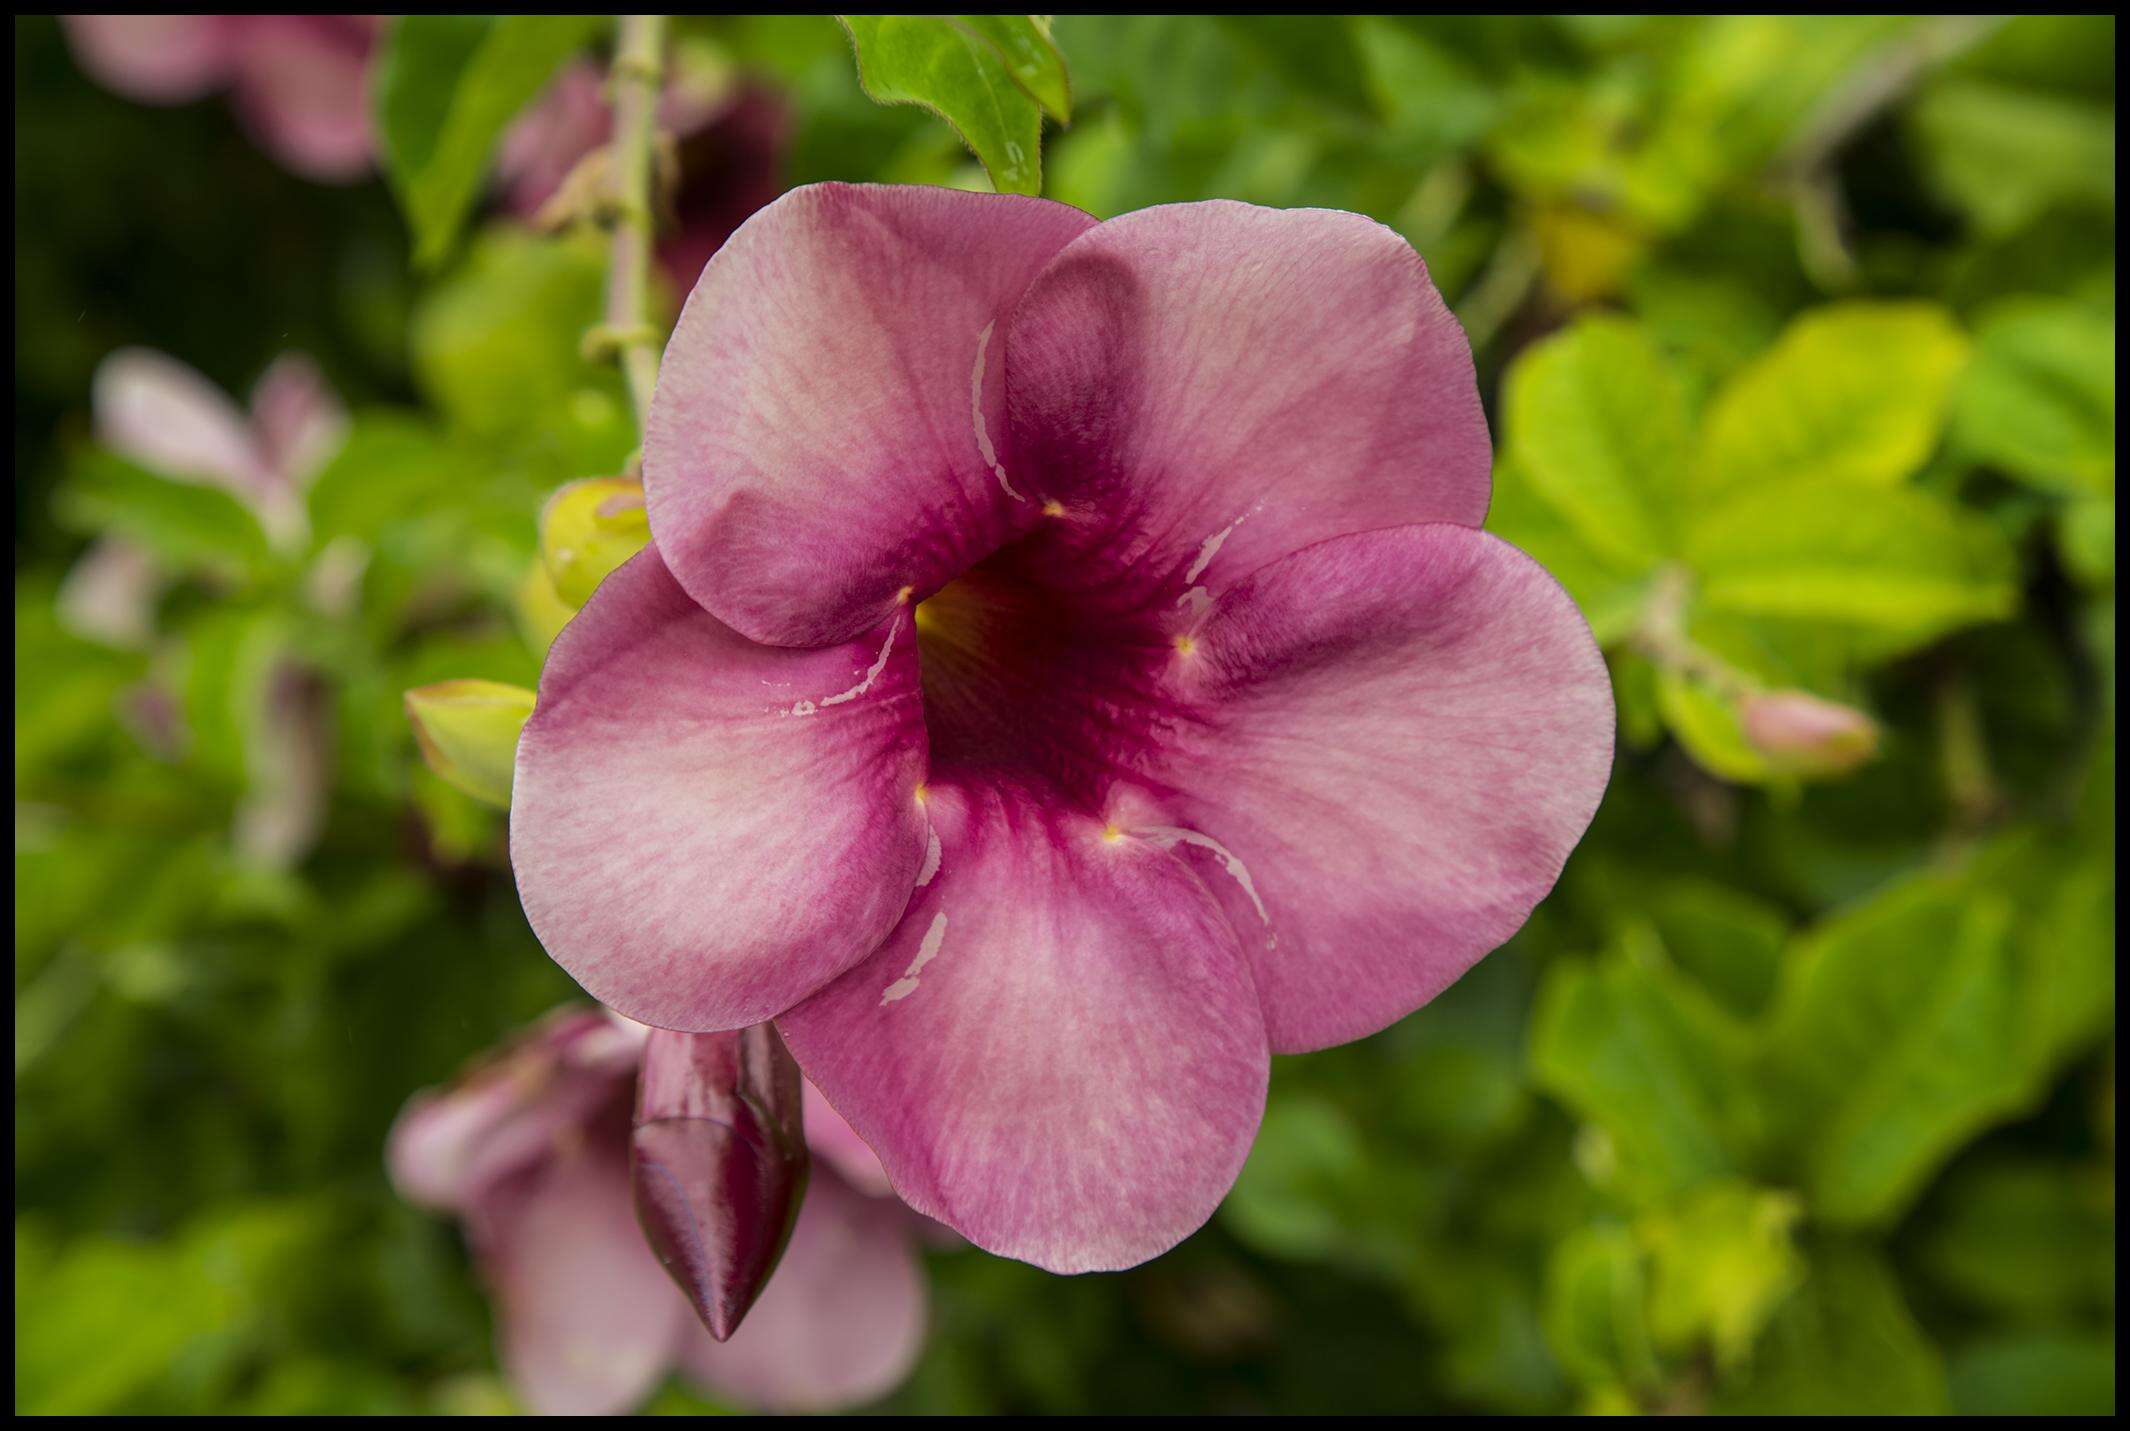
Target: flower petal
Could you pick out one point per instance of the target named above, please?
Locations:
(297, 417)
(822, 435)
(1404, 734)
(832, 1139)
(840, 1323)
(705, 830)
(157, 412)
(1205, 387)
(303, 85)
(587, 1323)
(1058, 1052)
(155, 59)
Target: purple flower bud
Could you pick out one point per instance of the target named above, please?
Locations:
(718, 1163)
(1803, 733)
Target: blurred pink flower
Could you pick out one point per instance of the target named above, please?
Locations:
(299, 81)
(1808, 735)
(531, 1150)
(729, 142)
(1221, 729)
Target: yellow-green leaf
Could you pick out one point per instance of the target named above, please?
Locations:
(468, 732)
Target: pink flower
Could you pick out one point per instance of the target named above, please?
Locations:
(1221, 731)
(1804, 734)
(299, 81)
(730, 146)
(531, 1150)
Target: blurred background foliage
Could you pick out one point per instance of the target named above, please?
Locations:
(1797, 339)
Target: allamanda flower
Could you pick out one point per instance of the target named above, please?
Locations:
(531, 1149)
(1067, 669)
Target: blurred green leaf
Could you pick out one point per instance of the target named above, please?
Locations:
(2039, 402)
(939, 65)
(1896, 1037)
(1287, 1198)
(1652, 1062)
(1730, 941)
(1893, 567)
(446, 88)
(1844, 1345)
(2025, 1238)
(1596, 1311)
(189, 525)
(2044, 1373)
(2006, 153)
(1595, 417)
(1720, 1261)
(1853, 392)
(1705, 720)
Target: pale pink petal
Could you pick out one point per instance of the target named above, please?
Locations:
(587, 1323)
(1402, 735)
(705, 830)
(161, 414)
(109, 594)
(842, 1320)
(303, 86)
(828, 424)
(1204, 387)
(1058, 1052)
(297, 417)
(835, 1142)
(569, 120)
(450, 1146)
(154, 59)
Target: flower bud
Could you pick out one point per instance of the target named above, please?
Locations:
(1807, 735)
(587, 529)
(468, 732)
(718, 1163)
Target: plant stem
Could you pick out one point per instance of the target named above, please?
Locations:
(638, 72)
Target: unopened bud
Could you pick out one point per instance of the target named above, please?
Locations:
(718, 1163)
(587, 529)
(1804, 734)
(468, 732)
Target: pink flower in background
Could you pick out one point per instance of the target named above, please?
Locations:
(531, 1150)
(299, 81)
(1221, 730)
(730, 144)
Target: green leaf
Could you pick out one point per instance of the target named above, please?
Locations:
(1896, 566)
(1030, 55)
(939, 65)
(2025, 1238)
(1610, 592)
(1895, 1039)
(392, 464)
(1730, 941)
(1720, 1263)
(1596, 1312)
(1844, 1345)
(188, 525)
(1287, 1200)
(1707, 724)
(468, 733)
(2006, 154)
(2039, 402)
(1596, 418)
(1654, 1064)
(2043, 1373)
(1855, 392)
(447, 86)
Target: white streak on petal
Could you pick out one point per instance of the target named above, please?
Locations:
(1170, 836)
(976, 411)
(931, 862)
(905, 986)
(807, 708)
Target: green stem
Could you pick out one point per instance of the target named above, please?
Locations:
(638, 72)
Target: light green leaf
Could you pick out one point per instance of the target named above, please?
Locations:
(939, 65)
(1595, 416)
(1844, 1345)
(1896, 565)
(1895, 1039)
(190, 526)
(1855, 392)
(1706, 722)
(1653, 1063)
(2039, 402)
(2006, 154)
(468, 732)
(1611, 593)
(1596, 1312)
(1023, 42)
(1720, 1263)
(447, 86)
